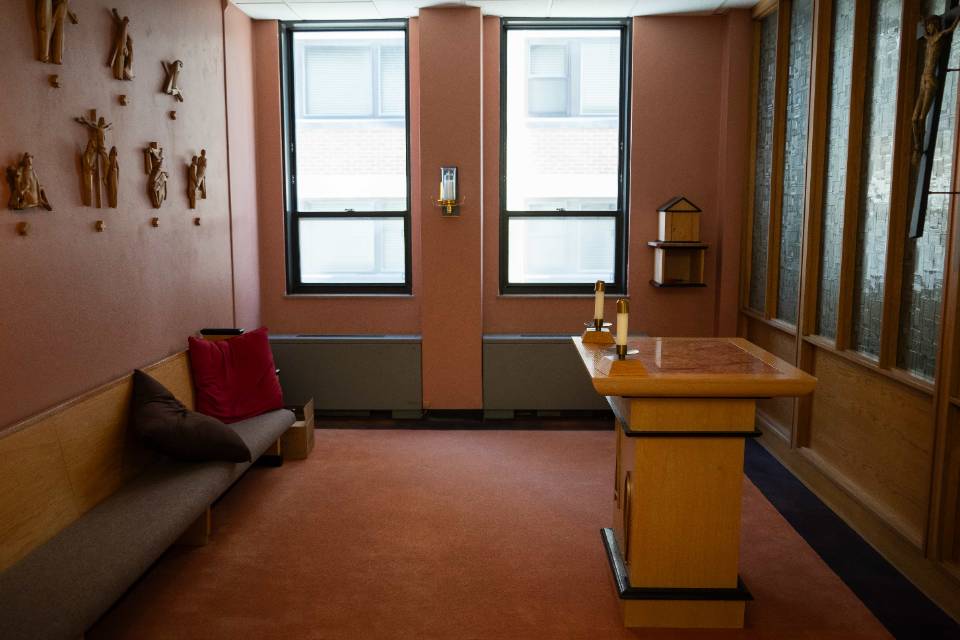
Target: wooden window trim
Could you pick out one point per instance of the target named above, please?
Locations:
(851, 200)
(782, 71)
(899, 191)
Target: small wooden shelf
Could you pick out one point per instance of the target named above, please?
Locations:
(678, 264)
(666, 285)
(660, 244)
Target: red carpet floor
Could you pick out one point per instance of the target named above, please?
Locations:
(449, 534)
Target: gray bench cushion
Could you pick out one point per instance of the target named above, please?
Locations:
(260, 432)
(62, 587)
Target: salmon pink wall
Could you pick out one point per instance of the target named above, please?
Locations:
(80, 307)
(339, 314)
(690, 87)
(242, 156)
(450, 112)
(734, 156)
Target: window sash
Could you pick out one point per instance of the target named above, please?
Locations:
(385, 104)
(619, 213)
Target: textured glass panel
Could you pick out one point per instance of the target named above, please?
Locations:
(545, 250)
(835, 171)
(924, 257)
(880, 124)
(764, 160)
(794, 158)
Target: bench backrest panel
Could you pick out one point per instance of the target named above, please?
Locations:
(56, 466)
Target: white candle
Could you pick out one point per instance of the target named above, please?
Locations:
(598, 300)
(623, 310)
(448, 186)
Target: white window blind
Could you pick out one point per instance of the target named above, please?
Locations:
(392, 81)
(338, 80)
(547, 88)
(599, 78)
(548, 60)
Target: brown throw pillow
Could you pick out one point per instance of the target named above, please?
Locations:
(170, 428)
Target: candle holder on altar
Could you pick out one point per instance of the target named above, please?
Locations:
(597, 332)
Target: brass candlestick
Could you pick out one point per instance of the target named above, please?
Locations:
(623, 310)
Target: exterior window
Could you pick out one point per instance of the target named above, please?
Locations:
(563, 155)
(348, 191)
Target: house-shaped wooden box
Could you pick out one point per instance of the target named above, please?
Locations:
(678, 252)
(679, 221)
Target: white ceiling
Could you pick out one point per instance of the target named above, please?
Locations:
(373, 9)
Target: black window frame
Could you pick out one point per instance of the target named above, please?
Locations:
(621, 213)
(292, 214)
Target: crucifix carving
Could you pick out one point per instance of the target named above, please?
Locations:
(97, 165)
(934, 41)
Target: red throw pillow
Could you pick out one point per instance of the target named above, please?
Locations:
(235, 379)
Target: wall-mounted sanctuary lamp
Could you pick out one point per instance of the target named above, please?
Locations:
(449, 186)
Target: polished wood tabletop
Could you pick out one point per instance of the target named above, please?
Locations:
(693, 367)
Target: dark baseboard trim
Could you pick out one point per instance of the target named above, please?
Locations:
(756, 433)
(621, 577)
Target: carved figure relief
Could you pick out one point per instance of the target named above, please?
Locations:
(197, 178)
(113, 178)
(121, 56)
(935, 37)
(172, 69)
(157, 180)
(95, 162)
(51, 21)
(25, 189)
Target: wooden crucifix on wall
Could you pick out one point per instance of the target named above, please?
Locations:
(936, 36)
(98, 167)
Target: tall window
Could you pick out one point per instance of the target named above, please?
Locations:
(563, 155)
(348, 192)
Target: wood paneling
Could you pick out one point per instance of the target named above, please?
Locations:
(874, 437)
(926, 574)
(42, 501)
(682, 613)
(778, 412)
(879, 445)
(686, 414)
(703, 502)
(64, 461)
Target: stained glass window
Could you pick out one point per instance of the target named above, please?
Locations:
(794, 158)
(880, 110)
(764, 161)
(835, 167)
